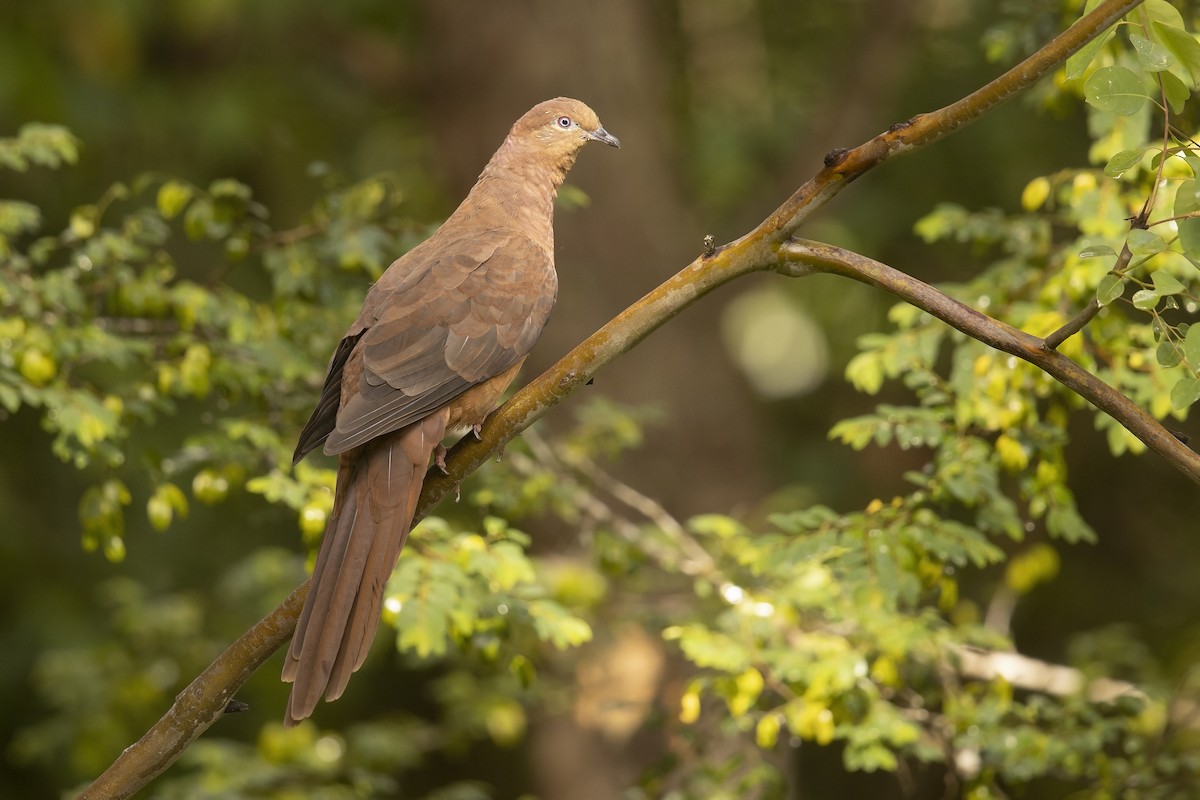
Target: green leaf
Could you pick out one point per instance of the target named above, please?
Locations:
(1036, 192)
(1160, 11)
(10, 398)
(194, 369)
(1078, 63)
(1116, 90)
(1145, 243)
(1111, 287)
(229, 188)
(707, 648)
(1165, 283)
(1176, 91)
(865, 371)
(167, 501)
(1191, 346)
(523, 669)
(857, 432)
(103, 518)
(1064, 522)
(1124, 161)
(1187, 196)
(83, 221)
(766, 732)
(943, 222)
(1167, 354)
(1187, 202)
(198, 220)
(1145, 299)
(718, 525)
(1037, 565)
(18, 217)
(1182, 45)
(1097, 250)
(172, 197)
(748, 687)
(1152, 56)
(1185, 392)
(38, 143)
(430, 593)
(556, 625)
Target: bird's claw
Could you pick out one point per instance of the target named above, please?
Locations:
(439, 458)
(477, 429)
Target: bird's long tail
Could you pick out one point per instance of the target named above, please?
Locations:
(378, 486)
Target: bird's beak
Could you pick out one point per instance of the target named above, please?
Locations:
(601, 135)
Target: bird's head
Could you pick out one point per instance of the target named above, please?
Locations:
(561, 127)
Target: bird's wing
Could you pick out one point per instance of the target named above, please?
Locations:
(467, 312)
(324, 416)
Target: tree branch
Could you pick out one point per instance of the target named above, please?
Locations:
(844, 166)
(199, 705)
(203, 701)
(1034, 675)
(1089, 312)
(814, 256)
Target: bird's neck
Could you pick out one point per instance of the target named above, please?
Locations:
(519, 185)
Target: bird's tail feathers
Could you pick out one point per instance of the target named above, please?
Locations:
(377, 490)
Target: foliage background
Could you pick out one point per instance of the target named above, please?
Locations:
(722, 109)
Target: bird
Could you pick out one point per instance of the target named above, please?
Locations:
(440, 336)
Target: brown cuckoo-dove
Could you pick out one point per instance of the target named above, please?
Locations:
(439, 338)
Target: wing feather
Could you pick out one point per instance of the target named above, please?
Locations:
(443, 325)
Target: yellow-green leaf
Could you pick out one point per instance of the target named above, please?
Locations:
(1035, 194)
(1038, 564)
(766, 732)
(173, 196)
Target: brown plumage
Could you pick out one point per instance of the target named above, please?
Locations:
(439, 338)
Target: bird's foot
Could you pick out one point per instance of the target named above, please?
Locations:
(477, 429)
(439, 458)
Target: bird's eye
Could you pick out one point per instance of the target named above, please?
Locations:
(563, 122)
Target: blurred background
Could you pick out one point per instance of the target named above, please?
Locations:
(723, 108)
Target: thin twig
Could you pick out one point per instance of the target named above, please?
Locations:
(1089, 312)
(695, 561)
(1043, 677)
(292, 235)
(1074, 325)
